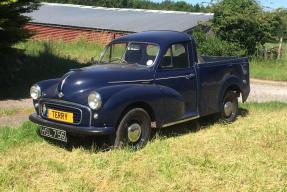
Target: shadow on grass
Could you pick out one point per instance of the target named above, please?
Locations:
(102, 143)
(92, 143)
(20, 71)
(193, 126)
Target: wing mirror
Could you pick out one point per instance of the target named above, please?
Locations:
(94, 61)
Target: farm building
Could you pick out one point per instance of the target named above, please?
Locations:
(69, 22)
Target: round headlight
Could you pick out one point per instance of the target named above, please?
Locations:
(94, 100)
(35, 92)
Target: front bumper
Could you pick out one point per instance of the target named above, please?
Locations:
(72, 129)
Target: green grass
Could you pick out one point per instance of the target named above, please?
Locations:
(80, 50)
(7, 112)
(270, 69)
(10, 137)
(13, 111)
(248, 155)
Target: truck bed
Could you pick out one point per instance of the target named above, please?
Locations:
(209, 59)
(213, 73)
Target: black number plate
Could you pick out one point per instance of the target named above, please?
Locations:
(53, 133)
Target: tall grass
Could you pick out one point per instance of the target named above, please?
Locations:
(248, 155)
(79, 50)
(270, 69)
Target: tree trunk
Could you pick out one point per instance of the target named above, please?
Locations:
(280, 48)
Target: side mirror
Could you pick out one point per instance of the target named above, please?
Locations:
(94, 61)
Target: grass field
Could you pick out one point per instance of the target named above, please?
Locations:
(270, 69)
(80, 50)
(6, 112)
(248, 155)
(13, 111)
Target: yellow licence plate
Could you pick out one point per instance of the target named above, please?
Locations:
(60, 116)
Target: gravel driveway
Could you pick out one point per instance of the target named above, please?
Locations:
(261, 91)
(23, 106)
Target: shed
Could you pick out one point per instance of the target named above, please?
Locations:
(69, 22)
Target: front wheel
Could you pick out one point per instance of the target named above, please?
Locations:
(134, 129)
(229, 107)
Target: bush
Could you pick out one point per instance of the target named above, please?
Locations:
(213, 46)
(246, 23)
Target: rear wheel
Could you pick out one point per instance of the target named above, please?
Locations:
(134, 129)
(229, 107)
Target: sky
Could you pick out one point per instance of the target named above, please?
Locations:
(268, 4)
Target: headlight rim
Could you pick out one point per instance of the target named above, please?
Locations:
(38, 94)
(98, 100)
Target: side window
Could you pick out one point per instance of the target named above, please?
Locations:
(166, 62)
(176, 57)
(179, 56)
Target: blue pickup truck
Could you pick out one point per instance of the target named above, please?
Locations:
(142, 80)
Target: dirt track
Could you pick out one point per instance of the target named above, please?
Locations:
(23, 106)
(261, 91)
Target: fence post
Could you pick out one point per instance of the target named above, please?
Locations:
(280, 48)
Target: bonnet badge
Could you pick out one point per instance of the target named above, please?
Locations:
(60, 94)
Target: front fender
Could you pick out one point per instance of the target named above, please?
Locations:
(166, 103)
(118, 97)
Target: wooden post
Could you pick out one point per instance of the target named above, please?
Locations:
(280, 48)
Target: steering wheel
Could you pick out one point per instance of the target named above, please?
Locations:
(118, 59)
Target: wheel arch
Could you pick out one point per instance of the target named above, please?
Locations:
(232, 84)
(138, 104)
(235, 88)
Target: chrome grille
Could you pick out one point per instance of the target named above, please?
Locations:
(77, 113)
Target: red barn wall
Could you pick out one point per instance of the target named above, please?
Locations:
(43, 32)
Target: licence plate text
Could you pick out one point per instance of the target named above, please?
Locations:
(53, 133)
(60, 116)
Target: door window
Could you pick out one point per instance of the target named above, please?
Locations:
(176, 57)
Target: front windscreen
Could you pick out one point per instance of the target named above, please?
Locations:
(130, 53)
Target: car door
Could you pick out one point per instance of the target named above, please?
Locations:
(177, 73)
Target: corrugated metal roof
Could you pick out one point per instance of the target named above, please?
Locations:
(116, 19)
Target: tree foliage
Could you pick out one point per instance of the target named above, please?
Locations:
(282, 13)
(246, 23)
(12, 21)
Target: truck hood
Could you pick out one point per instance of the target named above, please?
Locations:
(78, 83)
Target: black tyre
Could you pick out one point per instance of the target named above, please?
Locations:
(229, 107)
(134, 129)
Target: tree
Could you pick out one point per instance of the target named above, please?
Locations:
(13, 20)
(247, 24)
(282, 14)
(237, 22)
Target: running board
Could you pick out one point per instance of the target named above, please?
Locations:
(180, 121)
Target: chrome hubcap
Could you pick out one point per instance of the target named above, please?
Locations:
(228, 108)
(134, 132)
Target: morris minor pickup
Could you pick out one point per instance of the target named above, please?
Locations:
(142, 80)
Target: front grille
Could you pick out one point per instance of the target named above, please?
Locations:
(77, 114)
(81, 113)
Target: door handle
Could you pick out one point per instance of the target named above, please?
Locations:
(190, 76)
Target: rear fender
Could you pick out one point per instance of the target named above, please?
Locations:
(230, 82)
